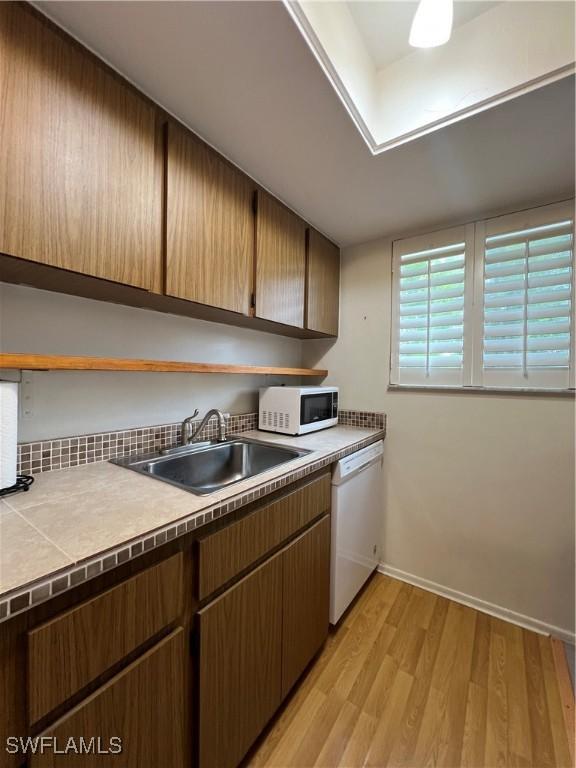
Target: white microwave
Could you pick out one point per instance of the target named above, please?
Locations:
(297, 410)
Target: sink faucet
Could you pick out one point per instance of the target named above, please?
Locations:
(187, 437)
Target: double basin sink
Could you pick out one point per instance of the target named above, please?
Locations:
(204, 468)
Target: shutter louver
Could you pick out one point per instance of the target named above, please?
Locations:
(430, 299)
(528, 304)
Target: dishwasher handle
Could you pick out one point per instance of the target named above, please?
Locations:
(352, 465)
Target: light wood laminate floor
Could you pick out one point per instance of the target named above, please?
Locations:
(413, 679)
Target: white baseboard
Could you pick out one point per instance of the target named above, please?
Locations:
(481, 605)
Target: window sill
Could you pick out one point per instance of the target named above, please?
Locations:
(568, 393)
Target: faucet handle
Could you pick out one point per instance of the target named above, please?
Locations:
(196, 412)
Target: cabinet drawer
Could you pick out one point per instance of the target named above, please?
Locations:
(143, 706)
(73, 649)
(228, 552)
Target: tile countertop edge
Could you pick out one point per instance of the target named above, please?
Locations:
(29, 594)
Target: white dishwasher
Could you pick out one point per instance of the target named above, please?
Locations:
(357, 524)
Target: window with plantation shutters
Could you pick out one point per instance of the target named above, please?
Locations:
(526, 294)
(488, 305)
(431, 293)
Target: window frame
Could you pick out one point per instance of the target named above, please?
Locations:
(474, 376)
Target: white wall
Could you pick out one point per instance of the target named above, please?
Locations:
(479, 488)
(504, 50)
(72, 403)
(345, 49)
(508, 49)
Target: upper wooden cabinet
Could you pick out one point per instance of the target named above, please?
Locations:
(101, 194)
(80, 166)
(210, 226)
(322, 284)
(280, 262)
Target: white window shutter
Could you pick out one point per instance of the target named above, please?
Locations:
(432, 297)
(525, 291)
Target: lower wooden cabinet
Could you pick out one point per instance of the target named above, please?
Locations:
(71, 650)
(86, 680)
(239, 665)
(144, 706)
(305, 600)
(255, 640)
(230, 551)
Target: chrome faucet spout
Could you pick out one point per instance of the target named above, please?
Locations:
(187, 437)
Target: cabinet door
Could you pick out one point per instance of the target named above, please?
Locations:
(306, 600)
(239, 665)
(322, 284)
(210, 226)
(224, 554)
(80, 168)
(144, 706)
(280, 263)
(70, 651)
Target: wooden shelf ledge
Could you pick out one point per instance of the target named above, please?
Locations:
(73, 363)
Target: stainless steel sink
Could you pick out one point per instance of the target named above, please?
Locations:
(208, 467)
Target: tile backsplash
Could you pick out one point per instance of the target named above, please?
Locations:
(64, 452)
(367, 419)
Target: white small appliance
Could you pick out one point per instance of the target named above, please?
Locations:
(297, 410)
(8, 433)
(357, 524)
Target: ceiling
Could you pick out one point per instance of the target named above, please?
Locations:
(385, 26)
(242, 76)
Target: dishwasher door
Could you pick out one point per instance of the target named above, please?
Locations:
(357, 525)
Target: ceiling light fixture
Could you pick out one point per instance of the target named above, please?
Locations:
(432, 24)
